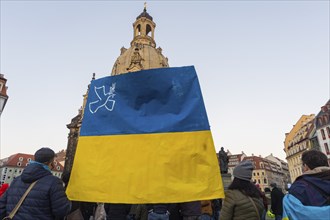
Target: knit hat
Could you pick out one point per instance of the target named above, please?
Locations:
(244, 170)
(44, 155)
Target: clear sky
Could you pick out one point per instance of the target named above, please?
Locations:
(261, 64)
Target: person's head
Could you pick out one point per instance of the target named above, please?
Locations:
(45, 155)
(273, 185)
(267, 190)
(242, 179)
(312, 159)
(244, 170)
(246, 187)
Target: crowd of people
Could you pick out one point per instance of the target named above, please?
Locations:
(37, 194)
(195, 210)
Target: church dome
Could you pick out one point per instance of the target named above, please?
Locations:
(144, 14)
(143, 53)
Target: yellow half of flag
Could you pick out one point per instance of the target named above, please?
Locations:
(146, 168)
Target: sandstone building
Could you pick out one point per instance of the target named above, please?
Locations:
(266, 170)
(296, 142)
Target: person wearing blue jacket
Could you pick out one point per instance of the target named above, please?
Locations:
(46, 200)
(309, 195)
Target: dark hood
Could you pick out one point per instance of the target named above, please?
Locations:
(34, 172)
(321, 179)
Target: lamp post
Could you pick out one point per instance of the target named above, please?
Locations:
(3, 99)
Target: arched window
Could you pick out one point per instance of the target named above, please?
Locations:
(138, 29)
(148, 30)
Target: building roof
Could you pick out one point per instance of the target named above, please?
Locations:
(144, 14)
(235, 159)
(21, 160)
(292, 136)
(263, 163)
(17, 160)
(303, 133)
(323, 117)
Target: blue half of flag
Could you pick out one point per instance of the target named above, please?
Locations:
(149, 101)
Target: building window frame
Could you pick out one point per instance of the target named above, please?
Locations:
(328, 131)
(323, 134)
(326, 148)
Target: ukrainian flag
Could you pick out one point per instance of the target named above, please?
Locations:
(145, 138)
(293, 209)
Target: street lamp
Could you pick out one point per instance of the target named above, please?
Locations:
(3, 93)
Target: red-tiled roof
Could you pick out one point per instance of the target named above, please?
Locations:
(21, 160)
(17, 160)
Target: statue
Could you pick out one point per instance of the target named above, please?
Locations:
(136, 61)
(223, 159)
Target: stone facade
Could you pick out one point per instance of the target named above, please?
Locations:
(285, 180)
(296, 142)
(266, 170)
(143, 53)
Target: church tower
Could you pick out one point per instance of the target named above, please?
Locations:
(142, 55)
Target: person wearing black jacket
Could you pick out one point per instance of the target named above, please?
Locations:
(46, 200)
(276, 201)
(119, 211)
